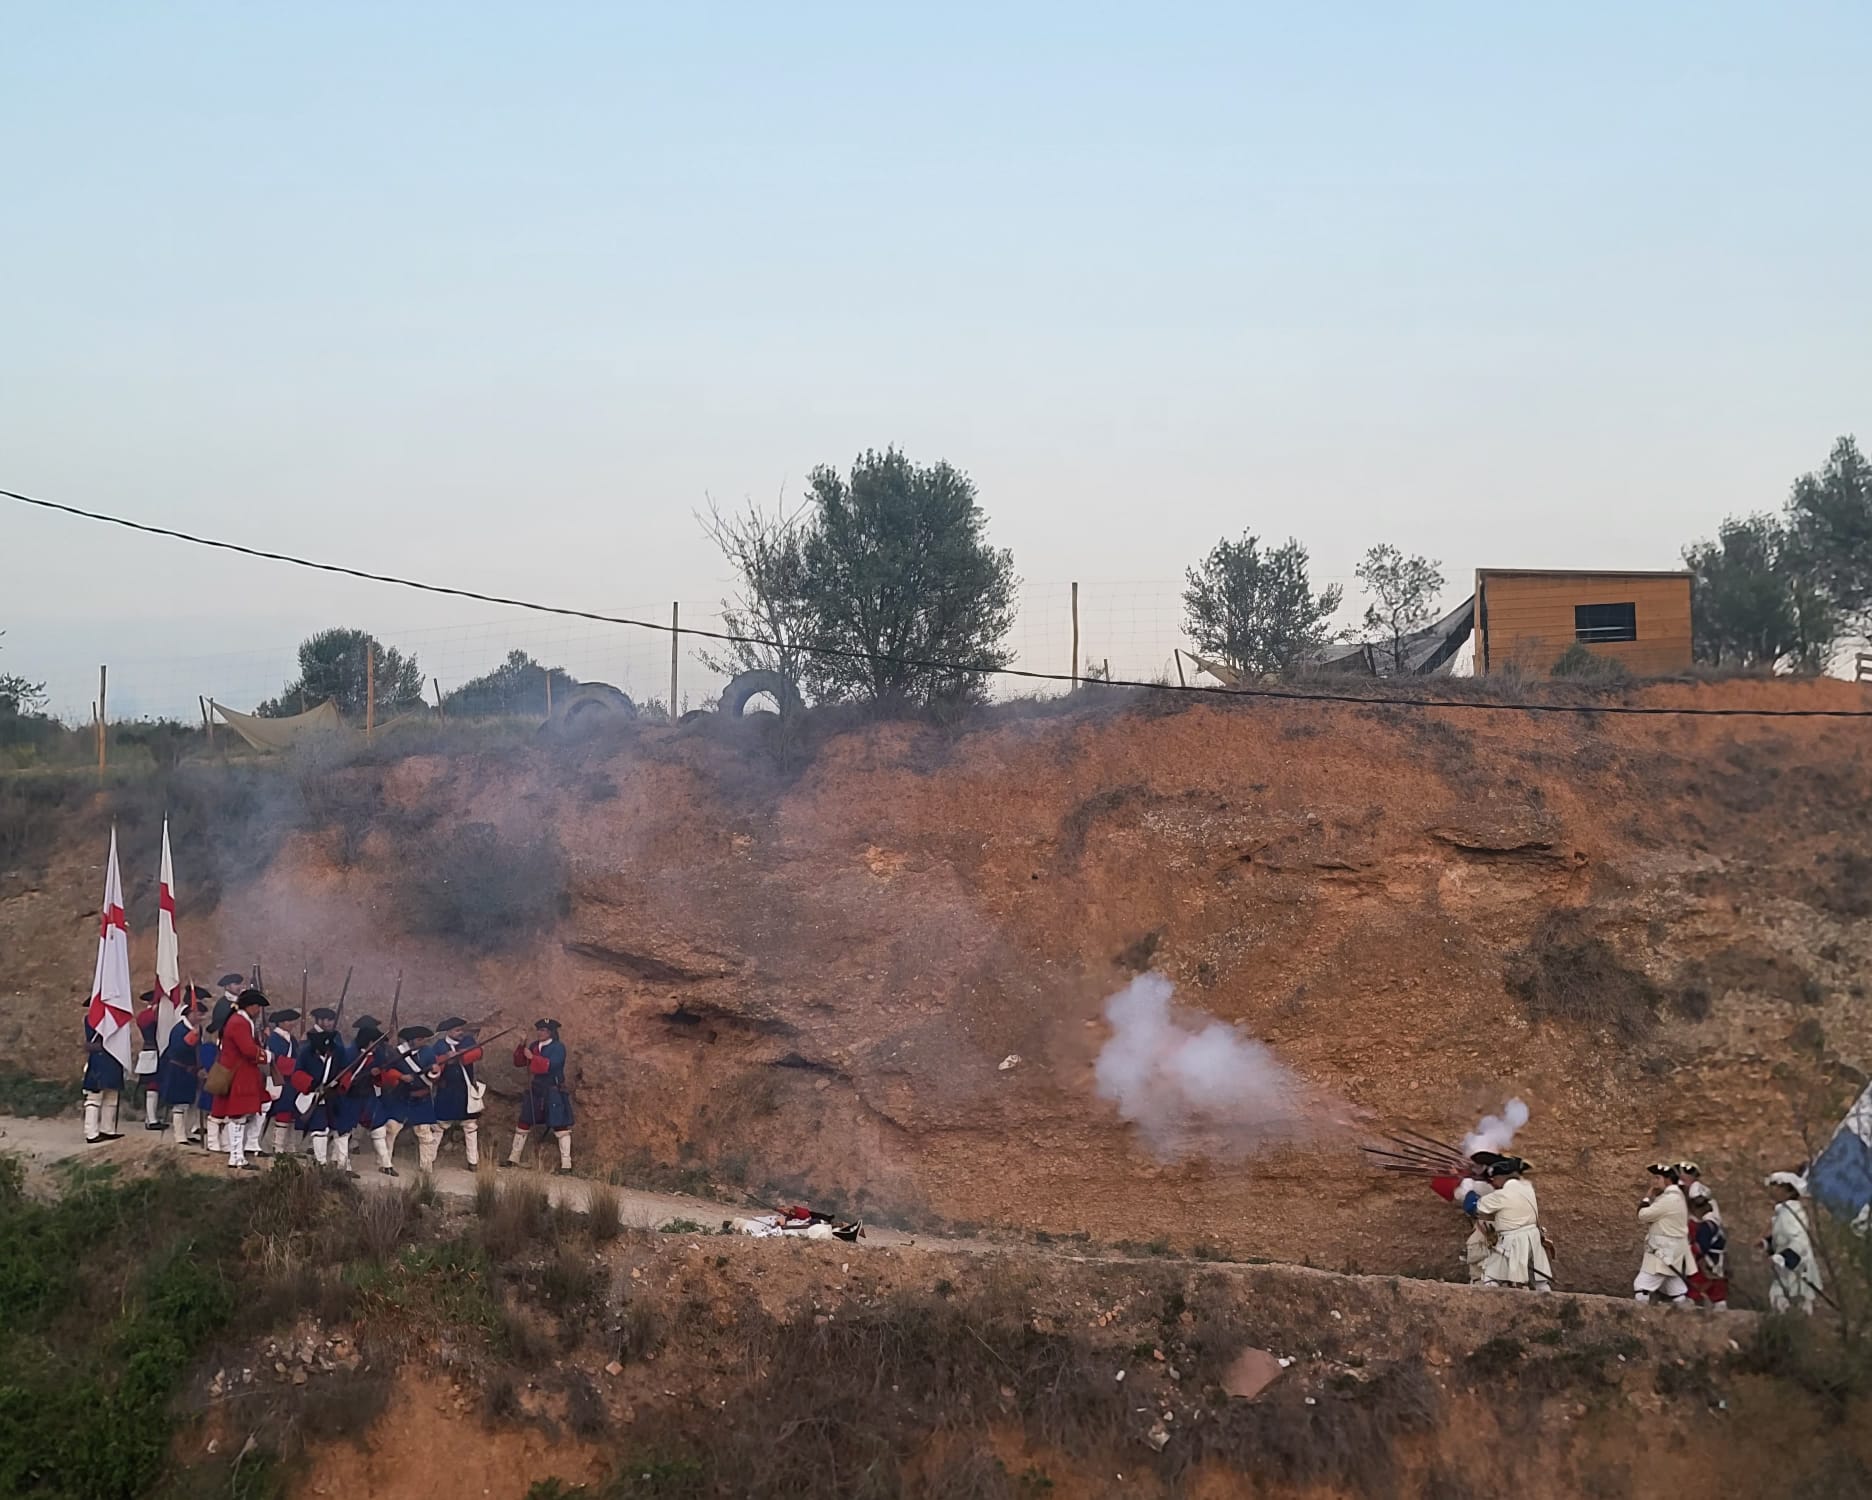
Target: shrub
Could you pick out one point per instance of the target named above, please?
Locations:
(29, 1097)
(514, 1216)
(1566, 973)
(471, 885)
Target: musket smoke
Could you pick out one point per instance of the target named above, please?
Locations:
(1497, 1132)
(1194, 1085)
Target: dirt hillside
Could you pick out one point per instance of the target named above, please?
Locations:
(796, 964)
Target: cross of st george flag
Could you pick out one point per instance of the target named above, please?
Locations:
(111, 1014)
(168, 962)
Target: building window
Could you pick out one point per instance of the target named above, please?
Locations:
(1594, 623)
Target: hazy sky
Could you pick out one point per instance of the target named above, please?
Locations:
(498, 294)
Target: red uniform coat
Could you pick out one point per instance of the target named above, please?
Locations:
(241, 1052)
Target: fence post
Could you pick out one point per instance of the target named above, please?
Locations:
(207, 723)
(1178, 654)
(370, 690)
(102, 710)
(436, 683)
(548, 671)
(675, 639)
(1075, 659)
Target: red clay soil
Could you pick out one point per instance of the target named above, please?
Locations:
(807, 980)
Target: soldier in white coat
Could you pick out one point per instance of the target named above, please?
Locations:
(1665, 1216)
(1789, 1244)
(1518, 1256)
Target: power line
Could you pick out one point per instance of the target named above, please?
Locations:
(976, 668)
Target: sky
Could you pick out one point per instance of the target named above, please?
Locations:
(500, 296)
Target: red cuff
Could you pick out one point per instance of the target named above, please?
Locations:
(1445, 1187)
(520, 1055)
(540, 1065)
(302, 1082)
(472, 1055)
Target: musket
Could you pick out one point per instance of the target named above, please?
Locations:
(305, 979)
(341, 999)
(483, 1042)
(395, 996)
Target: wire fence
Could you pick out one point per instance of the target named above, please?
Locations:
(1130, 629)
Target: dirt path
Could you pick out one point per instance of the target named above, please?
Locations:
(47, 1143)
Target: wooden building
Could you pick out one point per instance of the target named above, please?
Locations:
(1529, 619)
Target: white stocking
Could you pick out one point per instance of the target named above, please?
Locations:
(93, 1113)
(234, 1132)
(381, 1144)
(178, 1124)
(251, 1136)
(149, 1107)
(321, 1146)
(342, 1142)
(471, 1143)
(111, 1099)
(520, 1144)
(428, 1143)
(565, 1149)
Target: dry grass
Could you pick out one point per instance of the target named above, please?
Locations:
(604, 1212)
(515, 1217)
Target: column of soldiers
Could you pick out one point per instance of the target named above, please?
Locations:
(253, 1080)
(1685, 1254)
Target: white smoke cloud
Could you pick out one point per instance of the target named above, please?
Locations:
(1194, 1085)
(1497, 1132)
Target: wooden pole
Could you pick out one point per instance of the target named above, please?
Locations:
(206, 723)
(436, 683)
(1108, 669)
(1075, 656)
(1178, 654)
(548, 671)
(675, 639)
(102, 710)
(370, 690)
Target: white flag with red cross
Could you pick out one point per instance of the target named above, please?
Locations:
(112, 1013)
(168, 960)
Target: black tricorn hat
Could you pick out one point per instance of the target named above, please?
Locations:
(283, 1016)
(1485, 1158)
(148, 997)
(368, 1031)
(249, 998)
(228, 981)
(370, 1021)
(544, 1024)
(414, 1034)
(1505, 1166)
(450, 1023)
(324, 1013)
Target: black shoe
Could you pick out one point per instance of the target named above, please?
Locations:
(388, 1171)
(350, 1172)
(562, 1172)
(95, 1140)
(107, 1135)
(506, 1163)
(151, 1125)
(248, 1166)
(258, 1152)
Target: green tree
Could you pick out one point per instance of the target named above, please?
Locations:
(894, 568)
(18, 695)
(516, 686)
(1829, 521)
(334, 664)
(1257, 610)
(1757, 599)
(1404, 594)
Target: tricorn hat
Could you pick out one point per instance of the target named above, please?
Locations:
(248, 999)
(229, 981)
(414, 1034)
(450, 1023)
(283, 1016)
(545, 1024)
(324, 1013)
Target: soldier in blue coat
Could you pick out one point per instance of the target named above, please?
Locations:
(546, 1102)
(413, 1061)
(282, 1050)
(316, 1088)
(451, 1065)
(103, 1089)
(178, 1076)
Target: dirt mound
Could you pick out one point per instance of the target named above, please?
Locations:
(803, 978)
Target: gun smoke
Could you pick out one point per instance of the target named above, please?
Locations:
(1193, 1085)
(1497, 1132)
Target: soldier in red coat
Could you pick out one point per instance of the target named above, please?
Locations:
(244, 1057)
